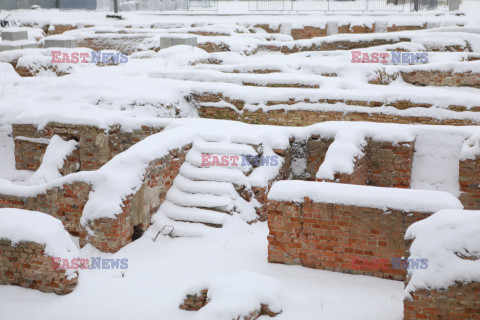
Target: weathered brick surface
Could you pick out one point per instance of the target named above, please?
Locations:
(442, 78)
(196, 301)
(111, 234)
(25, 264)
(308, 32)
(457, 302)
(308, 117)
(283, 174)
(96, 146)
(390, 164)
(335, 237)
(358, 176)
(315, 152)
(65, 203)
(469, 179)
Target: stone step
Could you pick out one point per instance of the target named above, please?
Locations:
(223, 203)
(190, 214)
(213, 174)
(210, 187)
(209, 160)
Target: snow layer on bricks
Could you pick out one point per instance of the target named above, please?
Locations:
(346, 228)
(352, 157)
(96, 145)
(469, 173)
(60, 199)
(111, 234)
(29, 241)
(448, 287)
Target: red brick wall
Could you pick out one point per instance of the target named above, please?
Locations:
(389, 164)
(96, 146)
(308, 117)
(458, 302)
(469, 179)
(65, 203)
(26, 264)
(384, 164)
(111, 234)
(339, 238)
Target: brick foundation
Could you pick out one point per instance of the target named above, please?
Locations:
(111, 234)
(196, 301)
(26, 264)
(96, 146)
(458, 302)
(469, 179)
(65, 203)
(342, 238)
(308, 117)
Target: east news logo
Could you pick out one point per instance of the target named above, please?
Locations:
(392, 57)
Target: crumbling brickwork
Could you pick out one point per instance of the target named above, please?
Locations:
(196, 301)
(65, 203)
(441, 78)
(316, 150)
(469, 179)
(457, 302)
(96, 146)
(390, 164)
(339, 237)
(111, 234)
(25, 264)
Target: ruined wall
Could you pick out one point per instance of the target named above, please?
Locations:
(385, 164)
(390, 164)
(469, 179)
(96, 146)
(460, 301)
(338, 237)
(25, 264)
(65, 203)
(111, 234)
(308, 117)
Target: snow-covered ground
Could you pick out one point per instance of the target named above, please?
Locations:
(160, 273)
(154, 88)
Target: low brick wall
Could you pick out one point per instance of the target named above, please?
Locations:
(469, 179)
(442, 78)
(390, 164)
(430, 78)
(25, 264)
(384, 164)
(65, 203)
(111, 234)
(456, 302)
(196, 301)
(308, 117)
(96, 146)
(338, 238)
(347, 238)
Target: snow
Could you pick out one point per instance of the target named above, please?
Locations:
(406, 200)
(155, 88)
(439, 151)
(450, 240)
(341, 154)
(30, 226)
(53, 159)
(161, 273)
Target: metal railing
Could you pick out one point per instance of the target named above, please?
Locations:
(329, 5)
